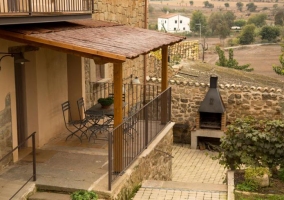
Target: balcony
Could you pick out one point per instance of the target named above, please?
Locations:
(38, 11)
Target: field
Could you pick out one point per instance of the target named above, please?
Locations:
(261, 58)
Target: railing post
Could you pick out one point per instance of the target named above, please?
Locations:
(30, 7)
(146, 127)
(109, 159)
(93, 7)
(34, 157)
(169, 104)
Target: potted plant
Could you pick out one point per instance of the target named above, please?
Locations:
(106, 102)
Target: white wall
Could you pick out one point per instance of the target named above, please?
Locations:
(175, 24)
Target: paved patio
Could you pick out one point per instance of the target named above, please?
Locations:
(195, 177)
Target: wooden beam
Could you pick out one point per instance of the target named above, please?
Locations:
(60, 46)
(118, 118)
(164, 68)
(164, 83)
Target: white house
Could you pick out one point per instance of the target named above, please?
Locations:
(173, 23)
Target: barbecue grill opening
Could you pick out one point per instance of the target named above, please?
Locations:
(210, 120)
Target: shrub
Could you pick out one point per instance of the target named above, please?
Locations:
(84, 195)
(252, 142)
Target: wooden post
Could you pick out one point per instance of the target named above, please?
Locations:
(118, 116)
(164, 83)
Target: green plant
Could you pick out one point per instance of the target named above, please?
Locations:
(281, 174)
(252, 142)
(84, 195)
(231, 62)
(248, 186)
(106, 101)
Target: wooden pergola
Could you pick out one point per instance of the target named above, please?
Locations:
(104, 42)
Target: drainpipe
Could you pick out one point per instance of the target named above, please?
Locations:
(145, 56)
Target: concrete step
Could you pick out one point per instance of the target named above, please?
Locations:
(185, 186)
(8, 188)
(49, 196)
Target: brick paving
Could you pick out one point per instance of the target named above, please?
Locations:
(194, 168)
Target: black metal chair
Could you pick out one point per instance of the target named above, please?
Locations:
(75, 127)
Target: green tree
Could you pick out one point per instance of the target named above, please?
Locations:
(191, 3)
(198, 18)
(220, 23)
(251, 7)
(252, 142)
(240, 22)
(279, 17)
(247, 34)
(206, 4)
(227, 5)
(240, 6)
(258, 20)
(231, 62)
(279, 69)
(269, 32)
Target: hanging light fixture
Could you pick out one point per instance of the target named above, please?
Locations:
(19, 57)
(136, 80)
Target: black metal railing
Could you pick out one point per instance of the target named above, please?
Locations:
(133, 94)
(45, 6)
(128, 140)
(34, 161)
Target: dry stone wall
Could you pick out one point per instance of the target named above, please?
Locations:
(6, 132)
(126, 12)
(239, 101)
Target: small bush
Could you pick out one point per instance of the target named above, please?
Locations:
(281, 174)
(84, 195)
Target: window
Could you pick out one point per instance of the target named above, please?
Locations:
(183, 28)
(175, 29)
(180, 21)
(165, 21)
(98, 72)
(175, 21)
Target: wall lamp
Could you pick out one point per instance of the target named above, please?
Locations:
(19, 57)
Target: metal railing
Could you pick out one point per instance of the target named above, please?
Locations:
(128, 140)
(45, 6)
(34, 161)
(133, 94)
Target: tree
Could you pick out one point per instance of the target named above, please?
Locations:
(198, 18)
(279, 69)
(240, 6)
(258, 20)
(191, 3)
(206, 4)
(269, 33)
(240, 22)
(251, 7)
(150, 9)
(231, 62)
(247, 34)
(279, 17)
(252, 142)
(220, 23)
(227, 5)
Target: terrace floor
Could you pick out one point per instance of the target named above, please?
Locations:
(59, 167)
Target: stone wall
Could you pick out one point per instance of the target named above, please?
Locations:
(126, 12)
(239, 101)
(6, 132)
(155, 163)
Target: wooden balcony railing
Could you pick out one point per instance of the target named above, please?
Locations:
(35, 7)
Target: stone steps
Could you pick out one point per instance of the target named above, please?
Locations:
(49, 196)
